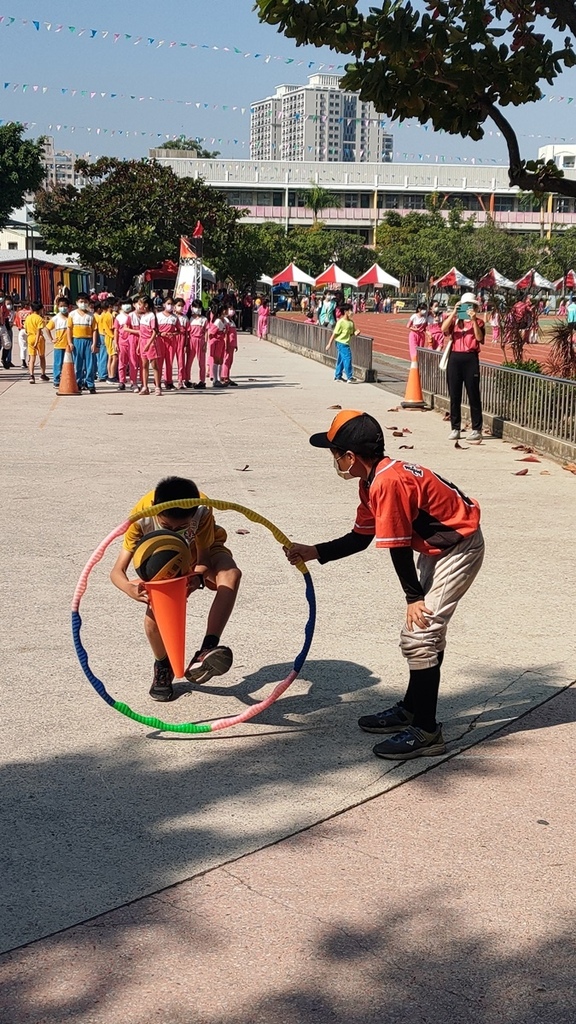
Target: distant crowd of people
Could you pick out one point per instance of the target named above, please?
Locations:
(145, 344)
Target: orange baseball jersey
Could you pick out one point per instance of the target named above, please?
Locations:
(406, 505)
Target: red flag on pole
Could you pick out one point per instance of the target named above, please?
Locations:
(198, 230)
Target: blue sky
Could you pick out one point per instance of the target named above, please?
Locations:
(66, 60)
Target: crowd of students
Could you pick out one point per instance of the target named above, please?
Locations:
(137, 344)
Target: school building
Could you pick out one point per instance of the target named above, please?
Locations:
(274, 191)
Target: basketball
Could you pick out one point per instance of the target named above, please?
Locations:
(162, 555)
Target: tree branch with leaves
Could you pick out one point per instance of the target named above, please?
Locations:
(455, 64)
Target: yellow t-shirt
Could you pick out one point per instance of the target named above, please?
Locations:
(106, 324)
(33, 322)
(202, 533)
(58, 328)
(82, 323)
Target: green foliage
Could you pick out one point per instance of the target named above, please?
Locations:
(561, 361)
(454, 63)
(528, 365)
(423, 245)
(193, 146)
(21, 169)
(318, 198)
(130, 214)
(313, 249)
(256, 249)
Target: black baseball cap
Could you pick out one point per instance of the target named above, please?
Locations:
(353, 431)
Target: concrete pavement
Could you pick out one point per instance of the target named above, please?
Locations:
(449, 900)
(100, 811)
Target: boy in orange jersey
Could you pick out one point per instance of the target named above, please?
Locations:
(407, 508)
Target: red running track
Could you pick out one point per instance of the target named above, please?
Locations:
(391, 337)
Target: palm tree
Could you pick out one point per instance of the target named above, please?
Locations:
(318, 198)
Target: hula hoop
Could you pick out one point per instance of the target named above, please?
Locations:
(190, 727)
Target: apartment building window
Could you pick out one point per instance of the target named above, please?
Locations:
(569, 161)
(13, 245)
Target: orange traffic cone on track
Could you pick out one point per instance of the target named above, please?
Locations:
(413, 398)
(168, 602)
(68, 384)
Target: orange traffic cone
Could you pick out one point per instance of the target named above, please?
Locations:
(168, 602)
(413, 398)
(68, 384)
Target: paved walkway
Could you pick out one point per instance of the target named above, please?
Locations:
(358, 919)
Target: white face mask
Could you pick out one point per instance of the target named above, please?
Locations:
(8, 305)
(62, 309)
(127, 306)
(168, 308)
(345, 474)
(82, 305)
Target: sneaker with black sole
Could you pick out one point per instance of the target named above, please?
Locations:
(214, 661)
(232, 383)
(411, 742)
(121, 387)
(388, 721)
(200, 386)
(161, 688)
(92, 391)
(44, 376)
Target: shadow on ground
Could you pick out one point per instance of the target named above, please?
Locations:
(93, 828)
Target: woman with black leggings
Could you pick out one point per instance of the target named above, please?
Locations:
(467, 330)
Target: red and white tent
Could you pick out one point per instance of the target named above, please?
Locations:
(495, 280)
(335, 275)
(292, 275)
(454, 279)
(566, 282)
(377, 276)
(532, 279)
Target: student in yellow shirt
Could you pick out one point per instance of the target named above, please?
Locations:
(58, 327)
(82, 341)
(213, 568)
(35, 323)
(107, 330)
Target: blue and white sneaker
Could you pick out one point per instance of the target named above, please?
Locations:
(411, 742)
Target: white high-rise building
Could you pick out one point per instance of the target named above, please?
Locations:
(317, 122)
(59, 165)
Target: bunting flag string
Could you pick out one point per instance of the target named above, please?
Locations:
(41, 90)
(130, 38)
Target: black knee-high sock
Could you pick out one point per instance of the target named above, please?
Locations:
(421, 697)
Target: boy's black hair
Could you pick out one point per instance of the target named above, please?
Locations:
(36, 306)
(171, 489)
(82, 295)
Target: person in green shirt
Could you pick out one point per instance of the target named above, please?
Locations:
(341, 334)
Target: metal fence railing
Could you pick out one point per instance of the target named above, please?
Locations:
(546, 405)
(313, 338)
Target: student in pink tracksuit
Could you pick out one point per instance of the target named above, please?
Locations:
(151, 349)
(126, 346)
(263, 319)
(217, 345)
(434, 326)
(183, 344)
(198, 339)
(169, 332)
(231, 349)
(417, 331)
